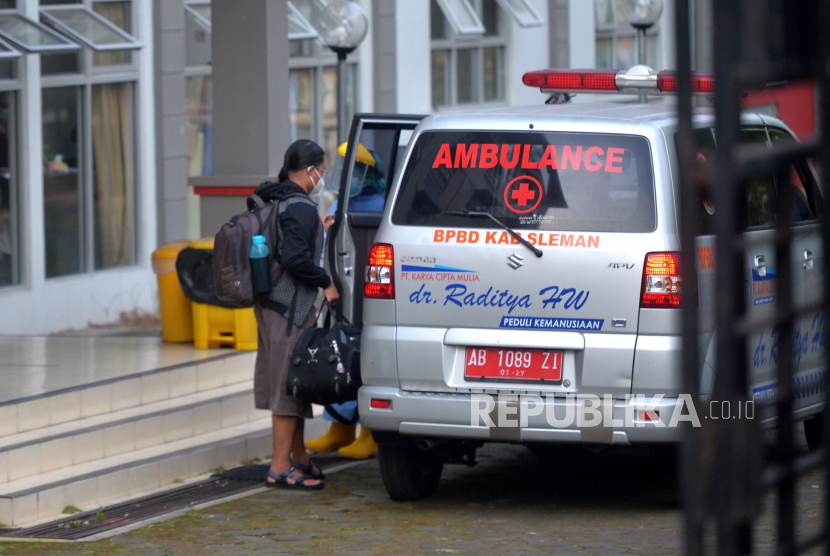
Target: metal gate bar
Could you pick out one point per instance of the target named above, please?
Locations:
(756, 42)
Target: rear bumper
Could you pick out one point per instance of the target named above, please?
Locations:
(460, 416)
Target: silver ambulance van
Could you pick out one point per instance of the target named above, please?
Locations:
(532, 253)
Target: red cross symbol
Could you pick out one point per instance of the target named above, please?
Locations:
(523, 198)
(523, 194)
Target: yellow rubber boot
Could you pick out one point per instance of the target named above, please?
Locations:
(362, 448)
(339, 435)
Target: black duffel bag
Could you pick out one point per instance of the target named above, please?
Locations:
(325, 366)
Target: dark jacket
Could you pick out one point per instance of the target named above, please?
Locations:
(299, 245)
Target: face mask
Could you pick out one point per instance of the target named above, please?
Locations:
(318, 187)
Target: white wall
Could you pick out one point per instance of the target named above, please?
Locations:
(528, 51)
(40, 306)
(413, 67)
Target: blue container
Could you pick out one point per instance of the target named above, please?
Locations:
(260, 266)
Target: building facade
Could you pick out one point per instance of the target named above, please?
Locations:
(102, 145)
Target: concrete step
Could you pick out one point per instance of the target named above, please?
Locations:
(115, 479)
(124, 392)
(131, 474)
(88, 439)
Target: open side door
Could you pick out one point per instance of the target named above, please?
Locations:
(375, 149)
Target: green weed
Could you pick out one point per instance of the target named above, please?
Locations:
(71, 510)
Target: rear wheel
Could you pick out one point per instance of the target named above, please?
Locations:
(408, 472)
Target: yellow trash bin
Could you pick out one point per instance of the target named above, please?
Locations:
(215, 327)
(175, 308)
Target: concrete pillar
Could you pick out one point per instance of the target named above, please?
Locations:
(413, 73)
(171, 148)
(383, 39)
(559, 51)
(702, 36)
(250, 102)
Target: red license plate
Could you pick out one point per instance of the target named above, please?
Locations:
(513, 364)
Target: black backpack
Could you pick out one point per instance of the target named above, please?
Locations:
(325, 366)
(231, 266)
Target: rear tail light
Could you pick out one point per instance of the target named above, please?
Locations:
(380, 273)
(661, 281)
(649, 416)
(381, 404)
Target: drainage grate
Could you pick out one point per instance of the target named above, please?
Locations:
(222, 485)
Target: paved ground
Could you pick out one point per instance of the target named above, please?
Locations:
(512, 503)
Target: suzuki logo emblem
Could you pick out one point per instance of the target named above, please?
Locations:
(514, 261)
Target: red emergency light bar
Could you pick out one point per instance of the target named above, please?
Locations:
(572, 80)
(638, 79)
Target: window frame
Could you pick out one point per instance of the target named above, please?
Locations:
(88, 76)
(452, 43)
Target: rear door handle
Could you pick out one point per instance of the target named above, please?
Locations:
(761, 266)
(808, 259)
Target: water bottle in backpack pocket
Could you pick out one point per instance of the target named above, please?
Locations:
(260, 266)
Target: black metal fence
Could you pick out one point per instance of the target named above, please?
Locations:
(724, 475)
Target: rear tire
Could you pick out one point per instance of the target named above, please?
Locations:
(812, 431)
(408, 472)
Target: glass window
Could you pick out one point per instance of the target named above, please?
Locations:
(197, 43)
(604, 54)
(625, 52)
(90, 28)
(62, 185)
(467, 69)
(436, 21)
(617, 45)
(605, 13)
(113, 174)
(56, 64)
(9, 209)
(493, 72)
(440, 77)
(462, 16)
(299, 28)
(529, 180)
(490, 18)
(301, 104)
(466, 85)
(31, 35)
(199, 126)
(801, 178)
(523, 12)
(117, 13)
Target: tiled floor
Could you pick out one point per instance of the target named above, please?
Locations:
(31, 366)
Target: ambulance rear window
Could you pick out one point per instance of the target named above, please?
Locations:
(529, 180)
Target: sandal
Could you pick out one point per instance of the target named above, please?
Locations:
(310, 470)
(281, 480)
